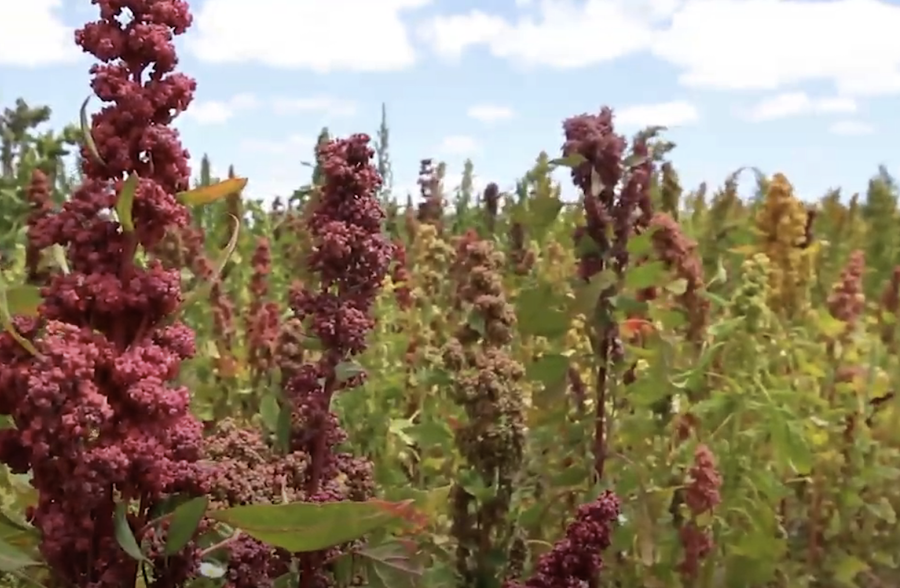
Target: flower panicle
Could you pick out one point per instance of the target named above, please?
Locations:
(98, 416)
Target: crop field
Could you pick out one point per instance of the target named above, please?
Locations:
(651, 386)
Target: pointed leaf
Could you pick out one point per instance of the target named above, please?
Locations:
(302, 527)
(207, 194)
(184, 523)
(125, 202)
(124, 534)
(86, 132)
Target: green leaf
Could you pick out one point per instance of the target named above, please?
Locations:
(283, 427)
(476, 321)
(86, 133)
(543, 211)
(570, 161)
(645, 275)
(268, 410)
(13, 559)
(347, 370)
(830, 326)
(791, 446)
(883, 510)
(642, 244)
(125, 202)
(185, 520)
(124, 534)
(574, 476)
(846, 567)
(587, 295)
(536, 315)
(303, 527)
(548, 370)
(677, 287)
(391, 564)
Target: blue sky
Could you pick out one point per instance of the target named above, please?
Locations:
(809, 88)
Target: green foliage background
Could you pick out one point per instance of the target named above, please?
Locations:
(794, 395)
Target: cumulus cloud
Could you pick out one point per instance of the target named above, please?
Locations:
(668, 114)
(799, 103)
(32, 34)
(321, 104)
(851, 128)
(216, 112)
(488, 113)
(348, 35)
(717, 44)
(459, 145)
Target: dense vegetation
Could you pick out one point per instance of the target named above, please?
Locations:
(648, 387)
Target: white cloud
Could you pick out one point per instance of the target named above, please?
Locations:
(350, 35)
(324, 104)
(851, 128)
(799, 103)
(216, 112)
(32, 34)
(719, 44)
(489, 113)
(459, 145)
(766, 44)
(565, 36)
(667, 114)
(292, 144)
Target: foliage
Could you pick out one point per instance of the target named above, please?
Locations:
(652, 386)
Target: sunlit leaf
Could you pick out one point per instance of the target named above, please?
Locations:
(207, 194)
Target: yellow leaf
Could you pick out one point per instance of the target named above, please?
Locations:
(207, 194)
(23, 300)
